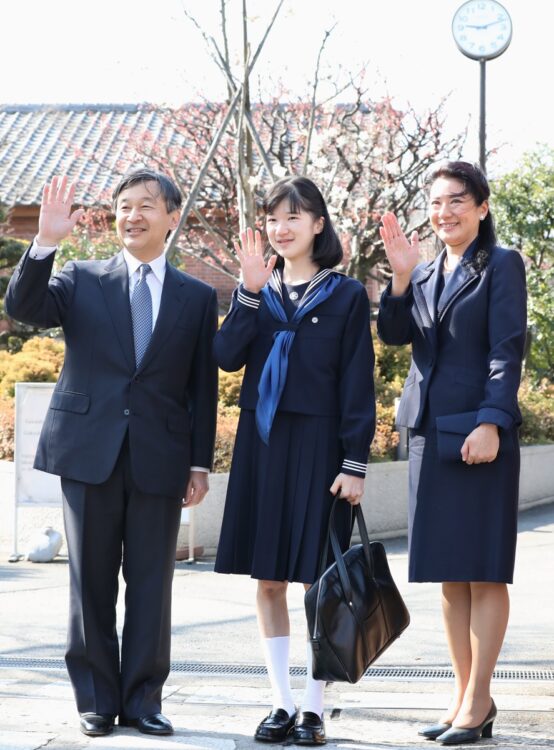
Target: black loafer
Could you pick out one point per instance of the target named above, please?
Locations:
(96, 725)
(309, 730)
(434, 731)
(276, 727)
(154, 724)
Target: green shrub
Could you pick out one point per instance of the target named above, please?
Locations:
(16, 333)
(46, 349)
(227, 421)
(536, 401)
(383, 447)
(391, 362)
(39, 361)
(41, 358)
(6, 429)
(229, 387)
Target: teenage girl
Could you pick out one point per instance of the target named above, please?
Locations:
(302, 332)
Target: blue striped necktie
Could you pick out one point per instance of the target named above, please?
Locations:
(141, 311)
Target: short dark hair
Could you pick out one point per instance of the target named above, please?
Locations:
(475, 183)
(170, 192)
(302, 193)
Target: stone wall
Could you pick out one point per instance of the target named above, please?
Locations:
(385, 502)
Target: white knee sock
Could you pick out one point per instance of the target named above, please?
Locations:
(276, 652)
(313, 693)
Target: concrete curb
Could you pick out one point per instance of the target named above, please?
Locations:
(385, 502)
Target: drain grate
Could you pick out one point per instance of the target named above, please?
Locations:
(373, 673)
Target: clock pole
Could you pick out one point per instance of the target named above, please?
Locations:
(482, 30)
(482, 115)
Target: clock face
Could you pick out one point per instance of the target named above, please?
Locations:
(482, 29)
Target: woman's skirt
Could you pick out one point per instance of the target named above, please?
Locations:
(278, 499)
(462, 519)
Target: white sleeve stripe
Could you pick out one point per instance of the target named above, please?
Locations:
(354, 463)
(248, 301)
(354, 466)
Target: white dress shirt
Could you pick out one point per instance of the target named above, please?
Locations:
(155, 281)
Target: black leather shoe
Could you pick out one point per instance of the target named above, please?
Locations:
(96, 725)
(309, 730)
(154, 724)
(276, 727)
(434, 731)
(462, 735)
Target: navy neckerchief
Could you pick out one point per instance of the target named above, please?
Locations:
(274, 374)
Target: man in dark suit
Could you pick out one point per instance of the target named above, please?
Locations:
(130, 431)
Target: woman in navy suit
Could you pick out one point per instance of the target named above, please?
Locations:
(307, 420)
(465, 316)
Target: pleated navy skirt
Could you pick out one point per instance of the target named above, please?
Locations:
(278, 499)
(462, 519)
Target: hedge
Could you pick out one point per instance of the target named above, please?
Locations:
(41, 358)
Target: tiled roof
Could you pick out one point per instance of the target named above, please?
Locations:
(91, 143)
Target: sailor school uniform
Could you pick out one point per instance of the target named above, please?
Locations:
(288, 453)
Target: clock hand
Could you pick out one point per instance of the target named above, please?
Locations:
(482, 26)
(493, 23)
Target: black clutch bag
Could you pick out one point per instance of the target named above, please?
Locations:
(354, 609)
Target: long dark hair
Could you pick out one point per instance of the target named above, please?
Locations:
(475, 184)
(302, 193)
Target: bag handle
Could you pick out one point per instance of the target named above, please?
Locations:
(335, 546)
(341, 567)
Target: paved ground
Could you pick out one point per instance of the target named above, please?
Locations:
(214, 624)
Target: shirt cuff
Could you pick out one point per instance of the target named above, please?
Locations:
(39, 252)
(248, 299)
(200, 468)
(355, 468)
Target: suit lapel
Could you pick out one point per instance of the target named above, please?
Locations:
(425, 291)
(115, 287)
(461, 278)
(174, 299)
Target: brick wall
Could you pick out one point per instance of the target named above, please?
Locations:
(224, 284)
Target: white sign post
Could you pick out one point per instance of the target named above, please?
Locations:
(35, 488)
(32, 487)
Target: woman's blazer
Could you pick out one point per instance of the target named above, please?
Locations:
(467, 345)
(330, 368)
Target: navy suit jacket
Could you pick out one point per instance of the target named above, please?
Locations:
(168, 405)
(467, 346)
(330, 370)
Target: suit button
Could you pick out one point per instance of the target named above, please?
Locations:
(315, 319)
(126, 412)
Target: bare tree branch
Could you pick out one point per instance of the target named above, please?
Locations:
(227, 59)
(314, 97)
(202, 173)
(215, 237)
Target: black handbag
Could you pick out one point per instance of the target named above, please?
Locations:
(354, 609)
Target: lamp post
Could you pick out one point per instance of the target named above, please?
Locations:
(482, 30)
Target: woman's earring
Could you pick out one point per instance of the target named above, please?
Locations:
(482, 218)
